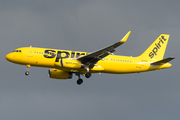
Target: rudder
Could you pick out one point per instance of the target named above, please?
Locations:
(157, 49)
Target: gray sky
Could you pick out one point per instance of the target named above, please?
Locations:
(88, 26)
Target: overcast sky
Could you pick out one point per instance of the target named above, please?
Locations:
(88, 26)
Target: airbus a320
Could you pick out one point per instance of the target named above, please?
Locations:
(65, 63)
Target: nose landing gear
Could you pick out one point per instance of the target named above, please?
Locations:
(27, 73)
(27, 70)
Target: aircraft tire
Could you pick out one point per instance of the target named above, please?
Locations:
(79, 81)
(88, 75)
(27, 73)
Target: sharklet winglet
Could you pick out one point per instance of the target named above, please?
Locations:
(123, 40)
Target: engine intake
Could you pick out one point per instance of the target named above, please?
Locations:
(59, 74)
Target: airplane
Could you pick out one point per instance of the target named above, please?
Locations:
(64, 63)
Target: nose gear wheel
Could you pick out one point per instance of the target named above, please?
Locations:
(27, 70)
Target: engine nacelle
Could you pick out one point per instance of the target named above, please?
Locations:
(69, 63)
(59, 74)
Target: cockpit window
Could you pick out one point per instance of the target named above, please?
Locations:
(17, 51)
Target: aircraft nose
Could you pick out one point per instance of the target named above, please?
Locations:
(8, 57)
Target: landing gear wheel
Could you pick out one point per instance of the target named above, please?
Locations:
(79, 81)
(27, 70)
(27, 73)
(88, 75)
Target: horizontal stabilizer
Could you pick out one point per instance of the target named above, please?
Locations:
(163, 61)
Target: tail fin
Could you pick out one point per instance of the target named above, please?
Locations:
(157, 49)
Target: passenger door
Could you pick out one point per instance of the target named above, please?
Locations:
(29, 52)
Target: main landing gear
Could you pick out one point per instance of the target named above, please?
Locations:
(27, 70)
(88, 75)
(80, 81)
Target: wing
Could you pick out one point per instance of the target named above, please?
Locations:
(92, 58)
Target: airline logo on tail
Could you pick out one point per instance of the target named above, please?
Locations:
(157, 47)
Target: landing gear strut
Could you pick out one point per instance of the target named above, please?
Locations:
(27, 70)
(79, 81)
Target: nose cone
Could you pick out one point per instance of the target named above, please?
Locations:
(8, 57)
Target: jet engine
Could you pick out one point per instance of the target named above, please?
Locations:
(59, 74)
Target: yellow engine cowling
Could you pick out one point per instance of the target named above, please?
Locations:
(59, 74)
(69, 63)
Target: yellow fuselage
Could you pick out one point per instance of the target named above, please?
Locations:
(51, 58)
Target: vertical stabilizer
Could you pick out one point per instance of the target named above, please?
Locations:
(157, 49)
